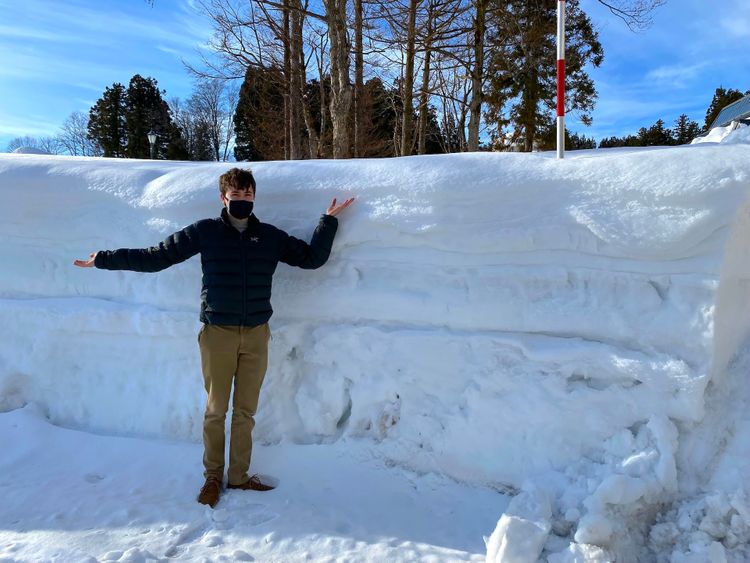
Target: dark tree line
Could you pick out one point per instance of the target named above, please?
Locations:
(261, 102)
(451, 72)
(684, 129)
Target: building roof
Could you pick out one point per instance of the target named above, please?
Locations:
(733, 112)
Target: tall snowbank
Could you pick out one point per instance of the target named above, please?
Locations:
(499, 318)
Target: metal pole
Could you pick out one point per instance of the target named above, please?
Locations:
(560, 78)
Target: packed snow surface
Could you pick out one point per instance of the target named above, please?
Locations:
(567, 332)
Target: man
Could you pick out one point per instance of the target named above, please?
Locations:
(239, 255)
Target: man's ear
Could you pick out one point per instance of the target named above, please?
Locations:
(223, 199)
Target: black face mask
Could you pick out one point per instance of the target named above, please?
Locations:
(240, 208)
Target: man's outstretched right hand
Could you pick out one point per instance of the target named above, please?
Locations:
(86, 263)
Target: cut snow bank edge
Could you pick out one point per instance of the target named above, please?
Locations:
(493, 317)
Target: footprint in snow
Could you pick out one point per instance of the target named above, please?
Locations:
(93, 478)
(186, 536)
(243, 515)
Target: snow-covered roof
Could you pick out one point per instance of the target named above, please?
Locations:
(735, 111)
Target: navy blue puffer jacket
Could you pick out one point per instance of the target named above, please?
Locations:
(237, 267)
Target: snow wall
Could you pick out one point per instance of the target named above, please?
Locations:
(510, 320)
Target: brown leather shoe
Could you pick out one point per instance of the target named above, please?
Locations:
(254, 484)
(210, 492)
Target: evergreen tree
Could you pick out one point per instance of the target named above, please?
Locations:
(574, 141)
(612, 142)
(147, 111)
(259, 119)
(203, 144)
(685, 130)
(378, 124)
(721, 99)
(523, 80)
(106, 125)
(121, 119)
(656, 135)
(435, 143)
(176, 145)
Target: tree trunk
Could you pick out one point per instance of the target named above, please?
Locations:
(295, 81)
(528, 114)
(323, 102)
(477, 75)
(358, 78)
(408, 82)
(313, 141)
(341, 89)
(462, 130)
(287, 87)
(424, 96)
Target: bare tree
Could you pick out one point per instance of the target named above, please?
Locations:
(212, 104)
(637, 14)
(22, 142)
(477, 72)
(437, 33)
(341, 88)
(359, 67)
(231, 99)
(266, 34)
(408, 81)
(74, 138)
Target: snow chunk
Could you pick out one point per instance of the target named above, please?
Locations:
(522, 530)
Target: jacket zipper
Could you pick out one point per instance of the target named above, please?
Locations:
(244, 276)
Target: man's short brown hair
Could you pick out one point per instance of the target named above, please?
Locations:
(240, 178)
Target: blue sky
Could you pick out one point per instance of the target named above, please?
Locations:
(59, 56)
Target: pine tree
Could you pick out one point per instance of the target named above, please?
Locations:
(522, 72)
(378, 119)
(627, 141)
(121, 120)
(656, 135)
(434, 141)
(258, 121)
(574, 141)
(721, 99)
(147, 111)
(106, 125)
(685, 130)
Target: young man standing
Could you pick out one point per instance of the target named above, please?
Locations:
(239, 255)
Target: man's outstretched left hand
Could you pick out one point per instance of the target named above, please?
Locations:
(336, 209)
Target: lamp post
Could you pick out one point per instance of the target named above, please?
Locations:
(152, 141)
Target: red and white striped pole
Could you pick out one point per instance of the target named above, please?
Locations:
(560, 78)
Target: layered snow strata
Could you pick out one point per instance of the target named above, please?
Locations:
(495, 317)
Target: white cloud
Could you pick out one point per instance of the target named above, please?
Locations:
(677, 75)
(735, 18)
(13, 126)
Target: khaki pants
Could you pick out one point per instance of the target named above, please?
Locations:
(239, 354)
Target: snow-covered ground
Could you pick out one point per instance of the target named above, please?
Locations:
(553, 350)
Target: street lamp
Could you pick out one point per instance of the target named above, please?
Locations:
(152, 141)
